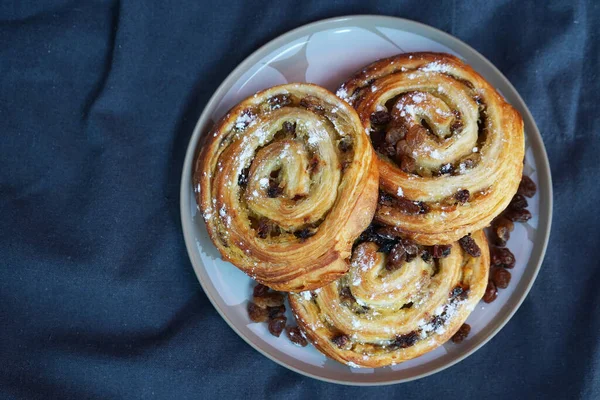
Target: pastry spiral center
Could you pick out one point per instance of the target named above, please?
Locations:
(434, 115)
(298, 169)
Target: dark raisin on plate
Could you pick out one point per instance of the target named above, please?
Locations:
(462, 333)
(527, 187)
(256, 313)
(514, 215)
(500, 277)
(502, 257)
(295, 336)
(490, 292)
(260, 290)
(277, 325)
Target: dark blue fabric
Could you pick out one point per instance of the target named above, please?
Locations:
(98, 100)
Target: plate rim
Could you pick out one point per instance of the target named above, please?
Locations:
(411, 26)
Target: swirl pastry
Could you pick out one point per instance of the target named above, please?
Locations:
(450, 148)
(393, 307)
(286, 182)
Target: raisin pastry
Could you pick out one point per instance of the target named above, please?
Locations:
(286, 182)
(398, 301)
(450, 147)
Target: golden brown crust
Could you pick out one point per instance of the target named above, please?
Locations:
(373, 317)
(286, 181)
(455, 133)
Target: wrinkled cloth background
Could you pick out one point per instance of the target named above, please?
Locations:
(98, 100)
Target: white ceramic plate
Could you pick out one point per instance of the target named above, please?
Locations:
(326, 53)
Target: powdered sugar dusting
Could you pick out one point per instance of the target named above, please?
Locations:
(342, 94)
(245, 120)
(436, 66)
(418, 98)
(306, 295)
(316, 136)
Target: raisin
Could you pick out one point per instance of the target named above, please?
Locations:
(396, 258)
(392, 137)
(436, 322)
(500, 277)
(396, 133)
(468, 163)
(274, 190)
(407, 206)
(462, 333)
(386, 199)
(271, 299)
(368, 235)
(312, 103)
(295, 336)
(423, 207)
(346, 297)
(410, 247)
(377, 137)
(478, 99)
(304, 234)
(256, 313)
(518, 215)
(264, 227)
(243, 177)
(502, 257)
(408, 164)
(441, 250)
(341, 341)
(387, 233)
(260, 290)
(446, 169)
(527, 187)
(279, 100)
(457, 124)
(462, 196)
(380, 117)
(275, 312)
(386, 149)
(386, 246)
(344, 145)
(313, 166)
(289, 127)
(501, 229)
(490, 292)
(518, 202)
(459, 293)
(277, 325)
(407, 340)
(426, 255)
(469, 245)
